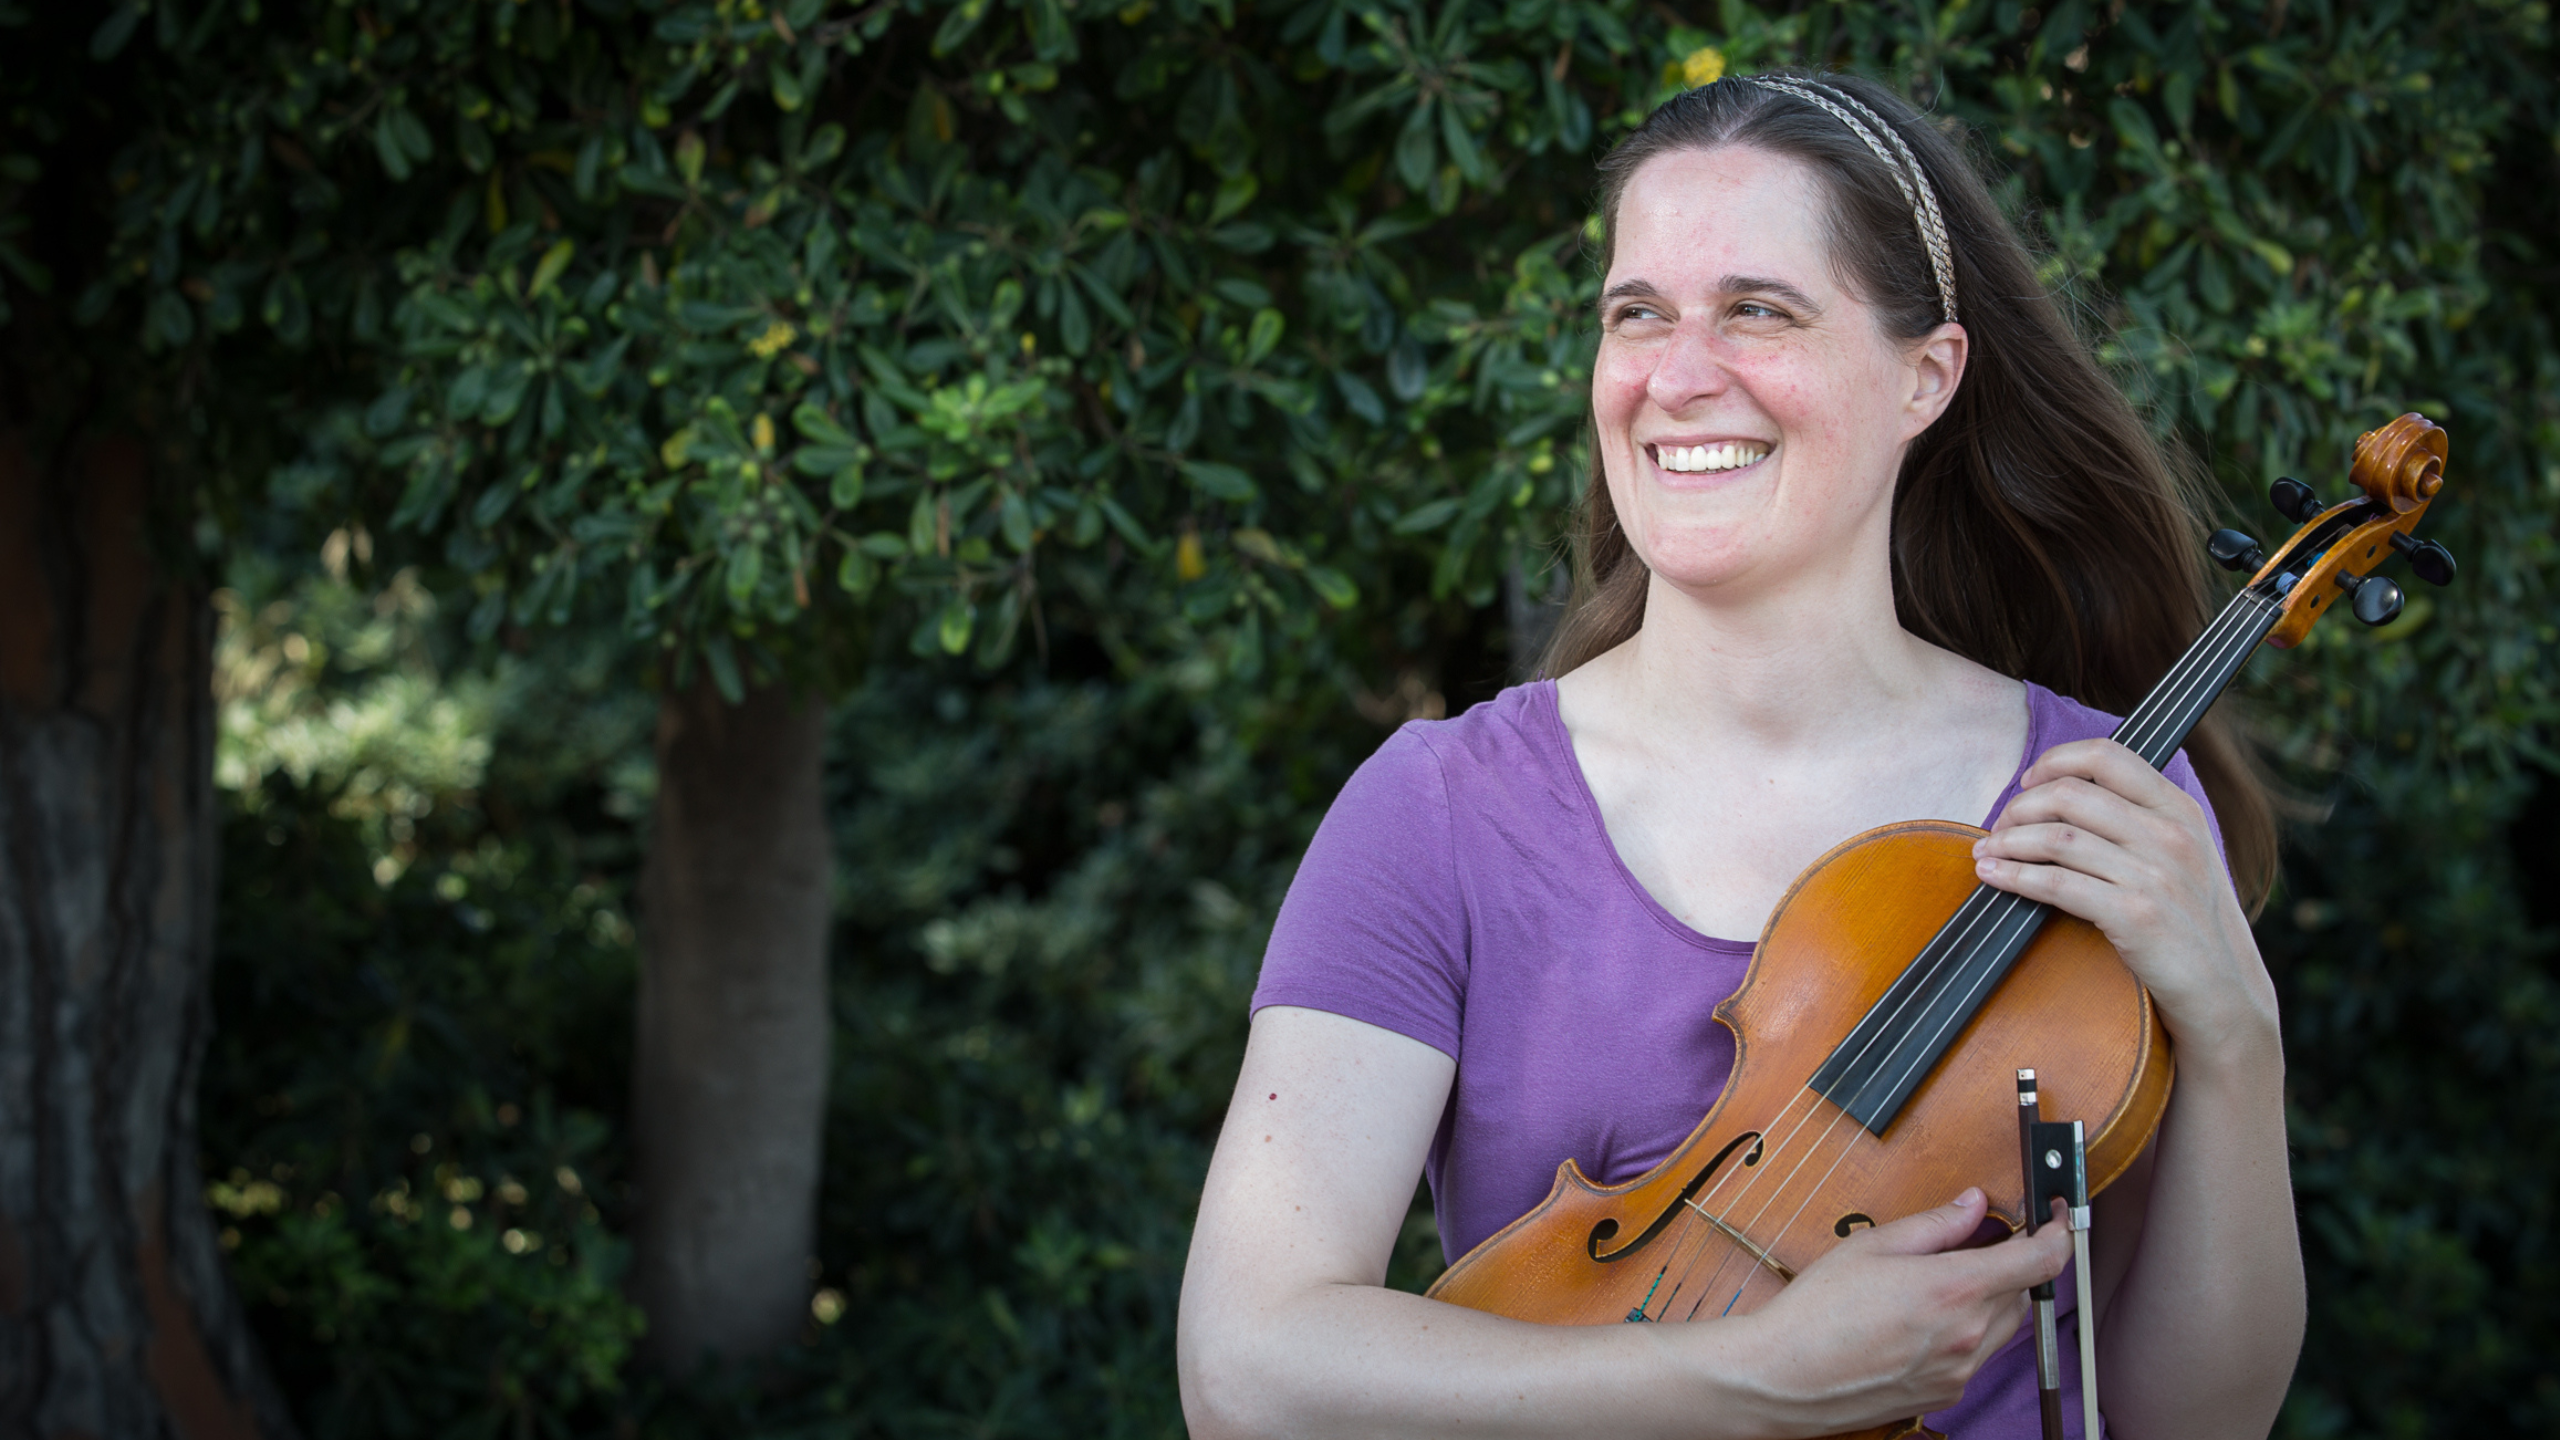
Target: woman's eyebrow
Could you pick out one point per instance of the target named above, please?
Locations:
(1776, 289)
(1730, 284)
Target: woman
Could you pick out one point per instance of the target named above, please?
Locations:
(1843, 558)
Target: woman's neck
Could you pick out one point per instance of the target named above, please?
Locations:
(1734, 738)
(1802, 668)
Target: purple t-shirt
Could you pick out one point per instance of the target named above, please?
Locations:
(1463, 891)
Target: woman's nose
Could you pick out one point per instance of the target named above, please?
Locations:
(1688, 369)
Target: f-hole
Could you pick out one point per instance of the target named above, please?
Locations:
(1607, 1230)
(1850, 1223)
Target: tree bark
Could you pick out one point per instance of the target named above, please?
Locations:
(117, 1317)
(730, 1071)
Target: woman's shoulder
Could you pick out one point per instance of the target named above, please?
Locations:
(1377, 924)
(1503, 743)
(2058, 719)
(1503, 757)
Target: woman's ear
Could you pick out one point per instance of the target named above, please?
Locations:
(1937, 368)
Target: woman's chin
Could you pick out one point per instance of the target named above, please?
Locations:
(1701, 569)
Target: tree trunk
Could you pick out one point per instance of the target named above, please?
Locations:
(117, 1318)
(730, 1073)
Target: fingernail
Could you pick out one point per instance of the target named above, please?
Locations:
(1985, 866)
(1972, 1196)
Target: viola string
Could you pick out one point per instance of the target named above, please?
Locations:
(2249, 608)
(1985, 904)
(2159, 715)
(2167, 700)
(2196, 667)
(2007, 903)
(2226, 639)
(1769, 1153)
(2176, 690)
(1811, 1193)
(1696, 1232)
(2210, 652)
(1683, 1258)
(2150, 729)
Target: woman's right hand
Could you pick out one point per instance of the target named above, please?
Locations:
(1894, 1320)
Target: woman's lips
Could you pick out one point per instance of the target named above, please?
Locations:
(1703, 459)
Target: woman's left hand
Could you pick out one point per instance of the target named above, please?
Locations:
(2100, 834)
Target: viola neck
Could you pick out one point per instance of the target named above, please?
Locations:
(2156, 727)
(1895, 1045)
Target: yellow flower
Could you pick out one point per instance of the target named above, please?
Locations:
(1188, 562)
(770, 343)
(1703, 66)
(762, 431)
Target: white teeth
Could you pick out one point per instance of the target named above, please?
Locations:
(1690, 459)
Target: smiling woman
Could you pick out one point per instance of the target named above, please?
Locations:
(2036, 527)
(1867, 538)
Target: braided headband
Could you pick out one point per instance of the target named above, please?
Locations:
(1906, 171)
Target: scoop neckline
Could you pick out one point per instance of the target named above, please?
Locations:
(1551, 715)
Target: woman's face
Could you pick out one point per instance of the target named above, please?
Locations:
(1752, 414)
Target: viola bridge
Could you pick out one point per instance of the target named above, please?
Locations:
(1608, 1229)
(1750, 1247)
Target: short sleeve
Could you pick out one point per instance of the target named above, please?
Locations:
(1374, 926)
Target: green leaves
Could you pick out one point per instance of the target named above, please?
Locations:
(1074, 285)
(400, 141)
(1219, 481)
(554, 261)
(962, 18)
(116, 29)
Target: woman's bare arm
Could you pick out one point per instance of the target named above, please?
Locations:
(1287, 1329)
(2200, 1333)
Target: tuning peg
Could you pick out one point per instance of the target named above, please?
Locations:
(2430, 561)
(2234, 551)
(2293, 499)
(2378, 601)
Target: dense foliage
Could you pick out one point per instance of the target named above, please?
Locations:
(1231, 357)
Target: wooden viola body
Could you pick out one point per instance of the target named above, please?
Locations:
(1776, 1175)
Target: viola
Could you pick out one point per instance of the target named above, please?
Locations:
(1893, 1000)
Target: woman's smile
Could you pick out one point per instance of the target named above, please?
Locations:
(1751, 412)
(1684, 457)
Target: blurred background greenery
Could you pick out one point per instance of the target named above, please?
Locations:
(1126, 414)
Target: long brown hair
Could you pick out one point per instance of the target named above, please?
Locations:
(2037, 529)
